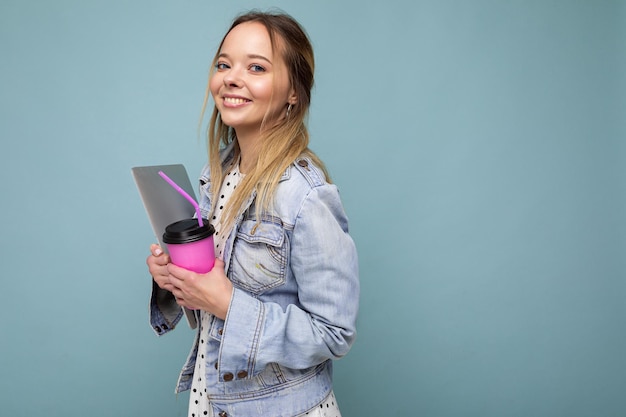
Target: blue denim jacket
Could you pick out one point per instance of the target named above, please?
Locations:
(294, 304)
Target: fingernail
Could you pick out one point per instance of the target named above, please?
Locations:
(158, 251)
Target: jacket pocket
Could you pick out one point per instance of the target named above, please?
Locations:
(259, 257)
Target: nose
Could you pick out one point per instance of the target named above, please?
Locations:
(232, 78)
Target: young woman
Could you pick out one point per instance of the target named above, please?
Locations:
(281, 301)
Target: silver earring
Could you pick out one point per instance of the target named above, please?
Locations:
(288, 110)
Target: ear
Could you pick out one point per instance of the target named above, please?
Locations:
(293, 97)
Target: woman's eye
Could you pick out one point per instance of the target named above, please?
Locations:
(256, 68)
(221, 66)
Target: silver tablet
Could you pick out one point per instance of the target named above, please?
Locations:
(163, 204)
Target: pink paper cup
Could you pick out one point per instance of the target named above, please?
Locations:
(190, 245)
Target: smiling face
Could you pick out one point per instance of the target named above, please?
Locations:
(250, 85)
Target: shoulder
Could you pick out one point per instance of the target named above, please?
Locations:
(305, 199)
(301, 180)
(304, 171)
(303, 183)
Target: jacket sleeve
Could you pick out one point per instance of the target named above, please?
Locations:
(165, 313)
(322, 325)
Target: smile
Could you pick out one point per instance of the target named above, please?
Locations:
(235, 101)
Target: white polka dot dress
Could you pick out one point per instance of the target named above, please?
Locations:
(328, 408)
(198, 401)
(199, 405)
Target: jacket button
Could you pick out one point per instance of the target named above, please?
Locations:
(242, 374)
(228, 377)
(303, 163)
(220, 332)
(223, 414)
(158, 329)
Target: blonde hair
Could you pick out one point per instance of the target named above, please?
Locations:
(280, 144)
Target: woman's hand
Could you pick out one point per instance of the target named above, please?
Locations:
(157, 265)
(210, 292)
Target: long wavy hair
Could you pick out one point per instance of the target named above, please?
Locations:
(281, 142)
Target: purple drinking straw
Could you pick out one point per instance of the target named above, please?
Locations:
(184, 194)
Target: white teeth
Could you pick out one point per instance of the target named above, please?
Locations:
(234, 100)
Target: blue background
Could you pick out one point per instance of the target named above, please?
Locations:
(479, 147)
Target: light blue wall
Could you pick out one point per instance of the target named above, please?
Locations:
(479, 149)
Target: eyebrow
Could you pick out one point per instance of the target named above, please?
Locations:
(249, 56)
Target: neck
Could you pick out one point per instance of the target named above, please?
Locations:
(248, 148)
